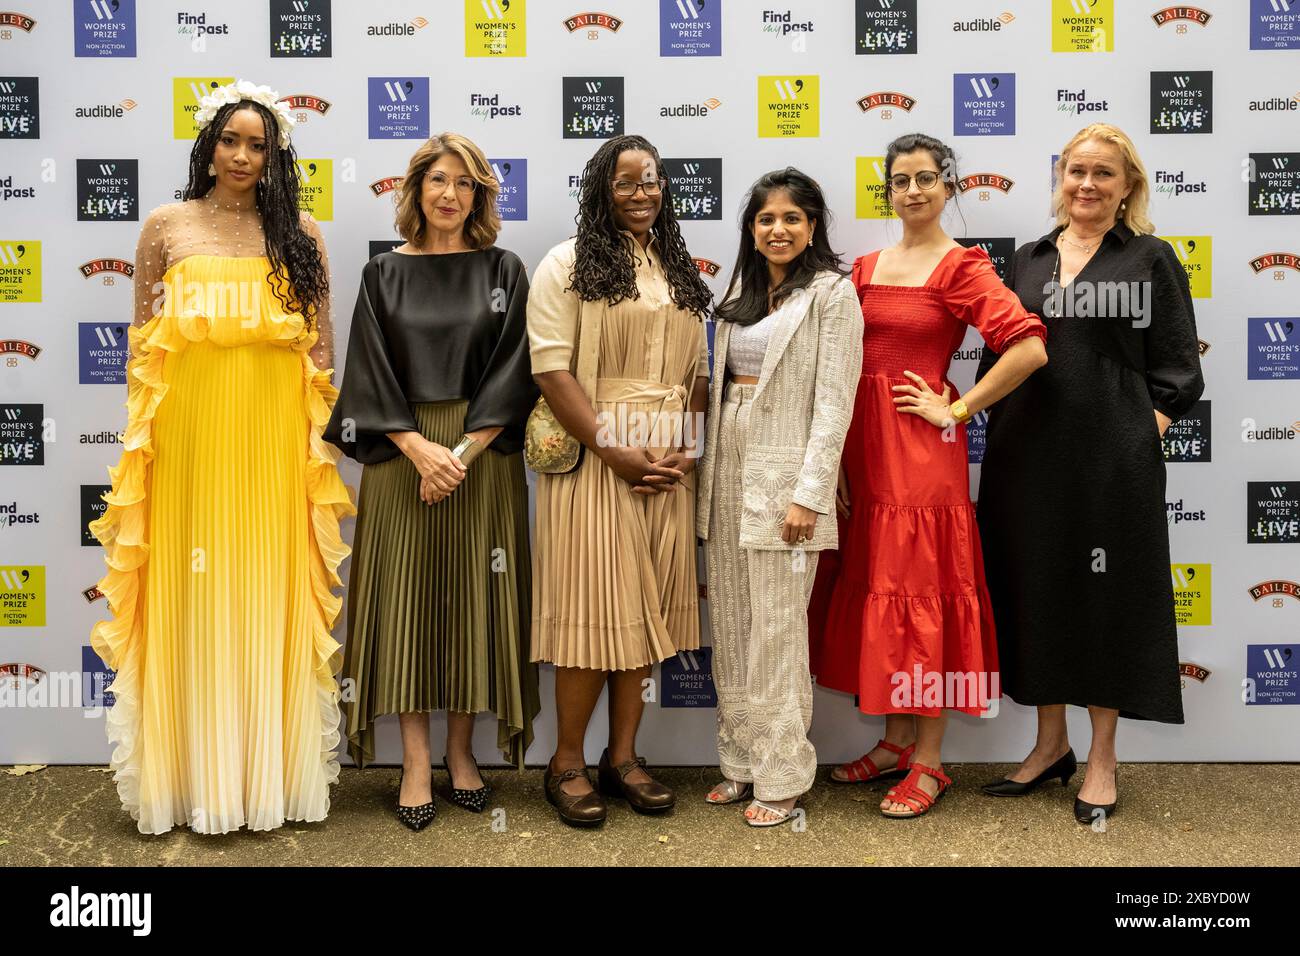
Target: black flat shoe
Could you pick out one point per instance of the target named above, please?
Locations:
(1064, 768)
(1087, 813)
(414, 818)
(475, 801)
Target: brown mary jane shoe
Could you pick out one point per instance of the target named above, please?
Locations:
(652, 797)
(581, 810)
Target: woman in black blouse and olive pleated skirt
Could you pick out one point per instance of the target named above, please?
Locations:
(436, 390)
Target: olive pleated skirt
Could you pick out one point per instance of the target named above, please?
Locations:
(439, 595)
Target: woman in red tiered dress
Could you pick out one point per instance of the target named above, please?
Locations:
(900, 615)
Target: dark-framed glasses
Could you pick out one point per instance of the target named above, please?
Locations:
(925, 179)
(651, 187)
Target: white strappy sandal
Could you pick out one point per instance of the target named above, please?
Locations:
(781, 815)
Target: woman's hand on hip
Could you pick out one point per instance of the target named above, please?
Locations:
(919, 399)
(800, 522)
(1163, 421)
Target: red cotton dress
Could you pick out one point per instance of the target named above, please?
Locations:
(906, 589)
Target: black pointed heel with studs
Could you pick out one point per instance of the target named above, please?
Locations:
(475, 801)
(414, 818)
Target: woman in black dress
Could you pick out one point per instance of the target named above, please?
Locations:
(434, 396)
(1072, 489)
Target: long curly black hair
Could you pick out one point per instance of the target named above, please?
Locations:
(605, 268)
(293, 253)
(746, 299)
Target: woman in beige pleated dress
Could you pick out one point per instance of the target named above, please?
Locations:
(614, 582)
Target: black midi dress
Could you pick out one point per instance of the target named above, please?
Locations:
(1072, 488)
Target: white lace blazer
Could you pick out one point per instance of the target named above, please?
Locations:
(799, 416)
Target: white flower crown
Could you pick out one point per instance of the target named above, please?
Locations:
(244, 90)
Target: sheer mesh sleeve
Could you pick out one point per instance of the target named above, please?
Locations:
(322, 353)
(150, 266)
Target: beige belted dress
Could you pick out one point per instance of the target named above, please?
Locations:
(614, 573)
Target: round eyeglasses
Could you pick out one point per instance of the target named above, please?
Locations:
(925, 179)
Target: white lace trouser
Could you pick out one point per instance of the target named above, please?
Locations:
(758, 604)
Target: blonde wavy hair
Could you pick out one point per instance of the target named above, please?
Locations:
(1134, 213)
(483, 223)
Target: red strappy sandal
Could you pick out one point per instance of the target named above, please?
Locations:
(864, 769)
(911, 795)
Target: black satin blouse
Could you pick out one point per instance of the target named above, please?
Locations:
(432, 328)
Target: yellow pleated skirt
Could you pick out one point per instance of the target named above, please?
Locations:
(222, 541)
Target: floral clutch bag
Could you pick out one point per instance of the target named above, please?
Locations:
(548, 448)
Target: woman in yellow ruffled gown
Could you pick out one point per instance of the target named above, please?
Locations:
(222, 527)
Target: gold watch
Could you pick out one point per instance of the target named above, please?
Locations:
(959, 411)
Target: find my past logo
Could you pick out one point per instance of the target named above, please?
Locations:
(1083, 26)
(495, 28)
(788, 106)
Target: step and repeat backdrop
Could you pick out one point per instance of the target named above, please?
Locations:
(97, 99)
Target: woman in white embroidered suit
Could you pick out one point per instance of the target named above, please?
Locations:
(787, 357)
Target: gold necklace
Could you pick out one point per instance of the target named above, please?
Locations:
(1078, 245)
